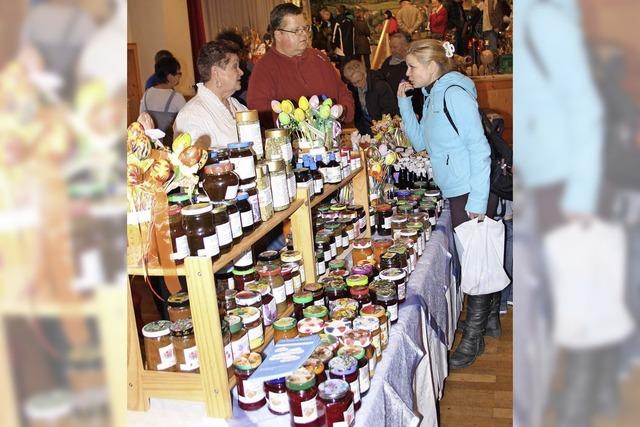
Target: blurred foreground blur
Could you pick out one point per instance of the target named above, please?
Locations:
(62, 116)
(577, 238)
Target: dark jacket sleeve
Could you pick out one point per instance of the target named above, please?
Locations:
(386, 99)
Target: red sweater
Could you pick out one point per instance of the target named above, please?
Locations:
(279, 77)
(438, 21)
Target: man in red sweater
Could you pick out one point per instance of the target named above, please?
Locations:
(291, 69)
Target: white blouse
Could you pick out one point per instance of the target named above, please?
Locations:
(206, 115)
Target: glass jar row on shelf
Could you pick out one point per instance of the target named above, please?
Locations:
(409, 207)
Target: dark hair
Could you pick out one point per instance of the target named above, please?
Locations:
(166, 66)
(162, 54)
(214, 53)
(280, 11)
(232, 36)
(388, 13)
(401, 35)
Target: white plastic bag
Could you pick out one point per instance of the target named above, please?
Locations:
(480, 247)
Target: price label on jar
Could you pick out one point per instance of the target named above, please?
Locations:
(244, 166)
(253, 392)
(279, 294)
(363, 378)
(182, 248)
(167, 357)
(211, 247)
(236, 224)
(191, 359)
(309, 410)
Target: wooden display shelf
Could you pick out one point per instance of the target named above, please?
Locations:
(237, 250)
(329, 189)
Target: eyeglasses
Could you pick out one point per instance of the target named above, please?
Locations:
(300, 31)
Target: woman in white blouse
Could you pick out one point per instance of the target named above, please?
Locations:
(210, 114)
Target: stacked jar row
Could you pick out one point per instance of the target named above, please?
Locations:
(408, 208)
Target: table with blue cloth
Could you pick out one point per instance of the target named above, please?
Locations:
(410, 376)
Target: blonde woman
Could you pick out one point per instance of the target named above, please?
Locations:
(460, 158)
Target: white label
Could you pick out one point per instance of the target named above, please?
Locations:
(256, 334)
(350, 234)
(402, 290)
(309, 412)
(255, 207)
(297, 282)
(279, 294)
(228, 355)
(231, 193)
(240, 347)
(224, 233)
(393, 312)
(182, 248)
(303, 278)
(432, 220)
(167, 357)
(363, 378)
(327, 255)
(333, 250)
(384, 334)
(269, 312)
(244, 167)
(320, 267)
(291, 181)
(287, 152)
(376, 345)
(211, 247)
(345, 241)
(349, 415)
(373, 362)
(355, 389)
(319, 302)
(251, 132)
(387, 223)
(372, 221)
(253, 391)
(288, 285)
(339, 241)
(230, 283)
(279, 190)
(278, 402)
(245, 260)
(334, 175)
(362, 223)
(318, 184)
(191, 359)
(246, 218)
(236, 224)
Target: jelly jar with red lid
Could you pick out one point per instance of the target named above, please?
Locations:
(346, 368)
(276, 393)
(337, 400)
(360, 294)
(250, 393)
(302, 392)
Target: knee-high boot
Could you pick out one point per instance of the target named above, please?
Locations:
(472, 344)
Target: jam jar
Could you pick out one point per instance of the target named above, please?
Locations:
(178, 306)
(230, 299)
(277, 399)
(387, 297)
(362, 218)
(252, 321)
(252, 190)
(323, 244)
(220, 182)
(361, 251)
(244, 160)
(360, 294)
(335, 228)
(223, 228)
(371, 325)
(179, 241)
(302, 392)
(399, 278)
(337, 328)
(279, 188)
(336, 400)
(358, 353)
(184, 344)
(364, 268)
(347, 231)
(251, 394)
(234, 220)
(390, 260)
(332, 241)
(197, 221)
(294, 257)
(373, 286)
(158, 348)
(329, 341)
(269, 308)
(316, 311)
(301, 300)
(239, 338)
(380, 313)
(284, 328)
(323, 353)
(180, 199)
(333, 290)
(287, 277)
(318, 292)
(357, 280)
(337, 264)
(246, 214)
(278, 144)
(224, 279)
(342, 313)
(242, 278)
(272, 275)
(383, 219)
(316, 366)
(310, 326)
(349, 303)
(346, 368)
(269, 257)
(403, 256)
(397, 223)
(380, 247)
(249, 298)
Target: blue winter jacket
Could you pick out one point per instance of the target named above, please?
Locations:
(461, 162)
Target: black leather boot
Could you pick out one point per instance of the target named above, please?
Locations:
(493, 322)
(472, 344)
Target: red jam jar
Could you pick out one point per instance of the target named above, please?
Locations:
(358, 353)
(251, 395)
(336, 402)
(302, 392)
(346, 368)
(276, 393)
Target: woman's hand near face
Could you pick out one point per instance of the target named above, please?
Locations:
(403, 87)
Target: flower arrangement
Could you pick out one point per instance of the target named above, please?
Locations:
(315, 123)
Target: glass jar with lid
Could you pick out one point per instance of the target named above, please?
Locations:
(383, 219)
(251, 396)
(387, 298)
(316, 311)
(229, 296)
(158, 348)
(302, 392)
(349, 303)
(347, 231)
(337, 264)
(278, 144)
(179, 242)
(357, 280)
(339, 274)
(239, 338)
(264, 199)
(390, 260)
(316, 367)
(268, 258)
(252, 321)
(197, 221)
(364, 376)
(244, 277)
(317, 290)
(308, 326)
(269, 308)
(332, 241)
(323, 353)
(364, 268)
(335, 228)
(295, 257)
(380, 313)
(397, 223)
(178, 306)
(277, 399)
(224, 279)
(248, 126)
(361, 251)
(337, 400)
(412, 253)
(343, 313)
(360, 294)
(249, 298)
(304, 180)
(337, 328)
(223, 227)
(246, 214)
(323, 243)
(371, 325)
(244, 160)
(362, 217)
(291, 182)
(279, 188)
(373, 287)
(234, 220)
(285, 328)
(403, 256)
(329, 341)
(181, 199)
(287, 277)
(272, 276)
(301, 300)
(220, 182)
(251, 189)
(380, 246)
(399, 278)
(184, 344)
(346, 368)
(321, 264)
(333, 290)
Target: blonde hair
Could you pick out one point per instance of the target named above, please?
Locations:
(352, 67)
(431, 50)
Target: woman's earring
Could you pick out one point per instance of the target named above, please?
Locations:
(218, 83)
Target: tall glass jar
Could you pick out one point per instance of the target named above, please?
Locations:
(179, 241)
(272, 275)
(383, 219)
(265, 196)
(295, 257)
(336, 399)
(364, 377)
(251, 189)
(248, 126)
(291, 182)
(246, 215)
(277, 399)
(243, 158)
(158, 348)
(178, 306)
(302, 391)
(251, 396)
(223, 228)
(387, 298)
(346, 368)
(234, 220)
(279, 190)
(197, 221)
(184, 344)
(278, 145)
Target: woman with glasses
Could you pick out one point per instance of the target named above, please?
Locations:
(162, 101)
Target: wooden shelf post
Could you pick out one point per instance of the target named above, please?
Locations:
(136, 399)
(302, 231)
(361, 191)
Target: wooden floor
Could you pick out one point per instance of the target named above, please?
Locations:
(481, 395)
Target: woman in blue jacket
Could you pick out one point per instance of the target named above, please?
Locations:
(460, 158)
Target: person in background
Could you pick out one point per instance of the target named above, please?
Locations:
(472, 27)
(325, 33)
(153, 80)
(438, 20)
(492, 20)
(392, 26)
(372, 94)
(211, 114)
(461, 164)
(343, 40)
(162, 101)
(361, 37)
(245, 65)
(409, 17)
(292, 69)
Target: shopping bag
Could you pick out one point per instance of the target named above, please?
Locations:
(480, 246)
(587, 266)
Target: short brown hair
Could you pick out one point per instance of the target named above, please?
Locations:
(280, 11)
(214, 53)
(431, 50)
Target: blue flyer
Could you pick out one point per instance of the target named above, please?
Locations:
(283, 358)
